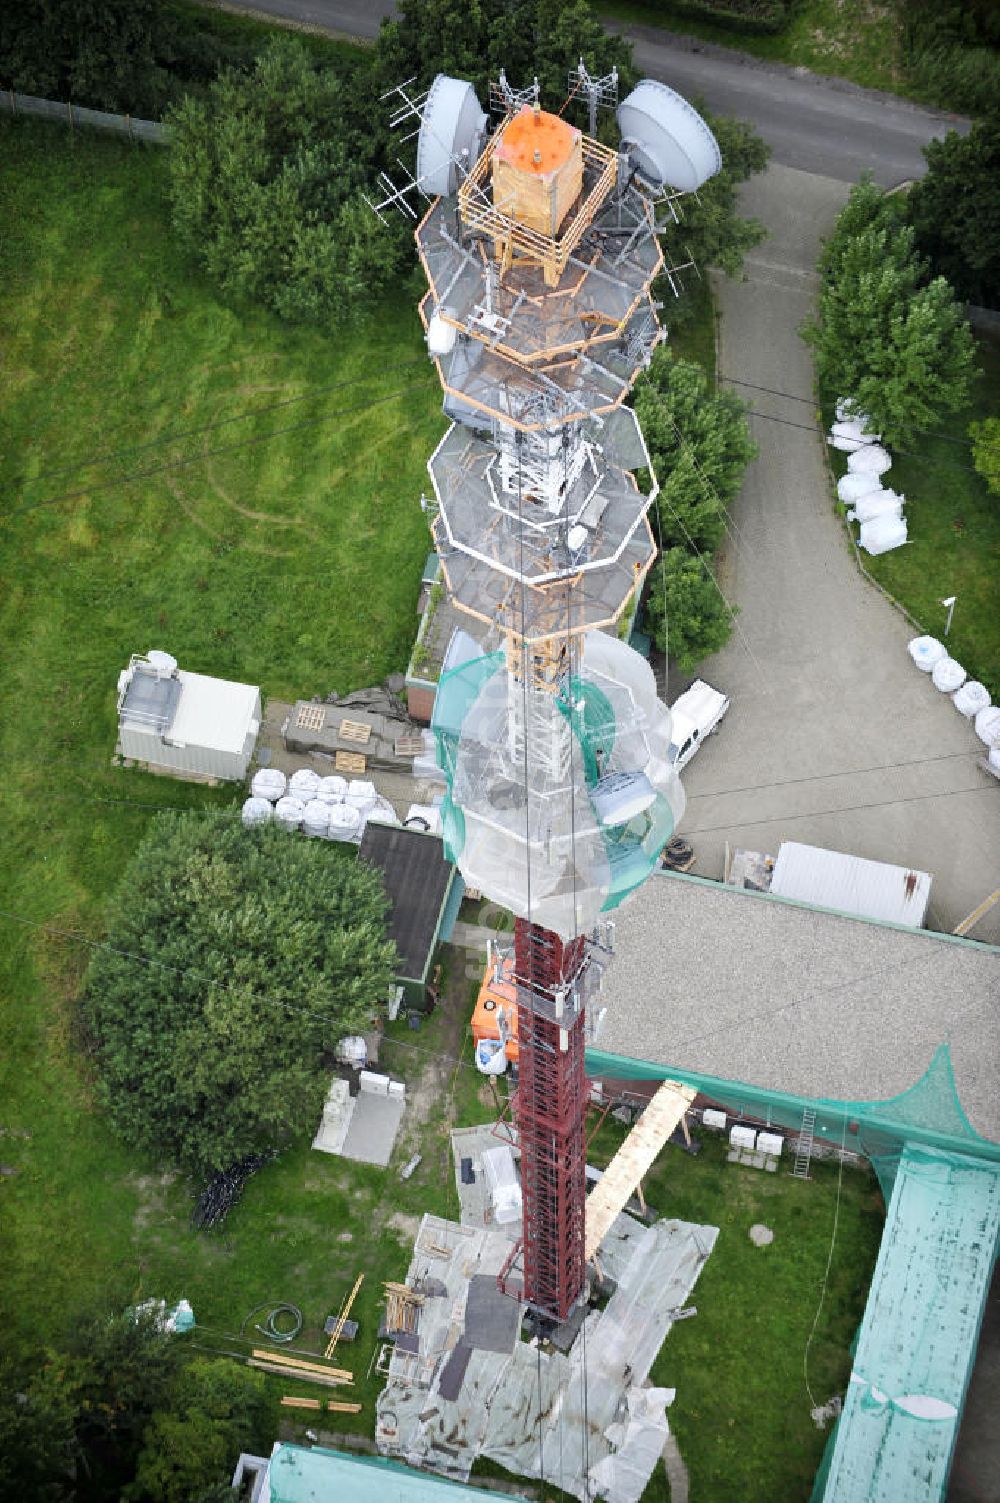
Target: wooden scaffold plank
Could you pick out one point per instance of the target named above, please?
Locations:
(634, 1159)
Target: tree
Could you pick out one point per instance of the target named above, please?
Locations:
(214, 1411)
(986, 451)
(700, 446)
(893, 341)
(955, 211)
(266, 178)
(94, 52)
(235, 958)
(475, 39)
(685, 611)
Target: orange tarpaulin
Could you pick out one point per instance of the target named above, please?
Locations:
(492, 995)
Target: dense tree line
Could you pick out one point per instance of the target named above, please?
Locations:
(889, 335)
(120, 1413)
(700, 445)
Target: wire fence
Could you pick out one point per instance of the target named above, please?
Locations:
(75, 115)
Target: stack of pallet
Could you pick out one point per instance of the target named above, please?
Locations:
(401, 1307)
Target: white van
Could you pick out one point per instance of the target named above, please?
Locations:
(695, 715)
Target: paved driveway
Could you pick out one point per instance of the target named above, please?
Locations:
(833, 737)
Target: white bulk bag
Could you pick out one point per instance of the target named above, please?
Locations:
(303, 784)
(947, 675)
(878, 504)
(256, 811)
(882, 534)
(851, 488)
(988, 725)
(316, 819)
(344, 822)
(847, 437)
(268, 783)
(332, 789)
(288, 812)
(871, 460)
(361, 795)
(926, 651)
(971, 698)
(995, 756)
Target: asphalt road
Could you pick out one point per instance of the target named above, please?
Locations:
(819, 125)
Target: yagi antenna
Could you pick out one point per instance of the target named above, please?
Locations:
(601, 92)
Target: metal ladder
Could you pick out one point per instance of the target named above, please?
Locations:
(803, 1153)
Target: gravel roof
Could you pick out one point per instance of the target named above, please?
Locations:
(757, 989)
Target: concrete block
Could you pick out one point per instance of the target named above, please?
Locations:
(397, 1088)
(714, 1119)
(770, 1142)
(373, 1084)
(742, 1137)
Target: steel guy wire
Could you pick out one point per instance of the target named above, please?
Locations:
(772, 391)
(247, 443)
(233, 812)
(891, 803)
(731, 1026)
(708, 570)
(909, 453)
(239, 417)
(829, 1262)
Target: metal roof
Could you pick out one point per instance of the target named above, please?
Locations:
(417, 878)
(213, 712)
(298, 1474)
(850, 884)
(917, 1342)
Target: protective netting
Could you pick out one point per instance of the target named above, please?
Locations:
(928, 1113)
(558, 804)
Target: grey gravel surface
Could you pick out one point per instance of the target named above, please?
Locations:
(751, 988)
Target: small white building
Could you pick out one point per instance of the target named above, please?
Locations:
(186, 724)
(850, 884)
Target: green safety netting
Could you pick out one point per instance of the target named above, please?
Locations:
(928, 1113)
(632, 849)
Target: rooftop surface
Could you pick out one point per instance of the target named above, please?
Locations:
(416, 877)
(752, 988)
(300, 1474)
(213, 712)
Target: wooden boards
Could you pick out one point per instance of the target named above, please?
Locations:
(634, 1159)
(345, 1311)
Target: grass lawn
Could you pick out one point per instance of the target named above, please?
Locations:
(741, 1415)
(294, 563)
(695, 340)
(954, 535)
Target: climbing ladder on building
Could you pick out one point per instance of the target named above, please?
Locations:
(803, 1153)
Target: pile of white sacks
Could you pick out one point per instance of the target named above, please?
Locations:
(970, 698)
(329, 808)
(878, 510)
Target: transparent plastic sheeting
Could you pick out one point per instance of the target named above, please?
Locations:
(914, 1352)
(521, 766)
(928, 1113)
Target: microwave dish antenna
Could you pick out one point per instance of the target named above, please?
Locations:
(452, 126)
(666, 139)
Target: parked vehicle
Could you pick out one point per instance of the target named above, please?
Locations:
(695, 715)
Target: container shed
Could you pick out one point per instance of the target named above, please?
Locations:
(851, 884)
(186, 724)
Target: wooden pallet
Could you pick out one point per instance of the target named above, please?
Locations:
(358, 731)
(311, 717)
(349, 762)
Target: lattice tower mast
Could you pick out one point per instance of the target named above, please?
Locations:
(540, 252)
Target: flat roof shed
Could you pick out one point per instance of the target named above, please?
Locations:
(424, 891)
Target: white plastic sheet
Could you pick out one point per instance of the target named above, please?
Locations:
(947, 675)
(926, 651)
(883, 534)
(971, 698)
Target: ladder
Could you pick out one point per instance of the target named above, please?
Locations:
(803, 1153)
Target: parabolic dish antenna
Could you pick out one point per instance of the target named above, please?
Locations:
(666, 139)
(451, 129)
